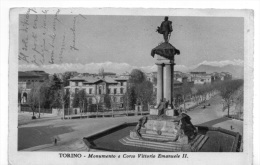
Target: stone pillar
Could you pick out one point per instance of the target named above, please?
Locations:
(164, 82)
(168, 82)
(159, 82)
(172, 78)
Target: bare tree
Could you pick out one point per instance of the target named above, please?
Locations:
(82, 96)
(61, 98)
(34, 97)
(185, 91)
(227, 90)
(113, 103)
(107, 102)
(98, 101)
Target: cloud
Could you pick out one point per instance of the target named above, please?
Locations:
(116, 67)
(236, 62)
(90, 67)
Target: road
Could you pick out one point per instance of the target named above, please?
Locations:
(40, 134)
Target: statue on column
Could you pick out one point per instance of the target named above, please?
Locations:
(165, 29)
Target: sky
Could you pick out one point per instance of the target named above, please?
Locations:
(85, 43)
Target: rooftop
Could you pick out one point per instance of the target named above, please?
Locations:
(28, 74)
(92, 79)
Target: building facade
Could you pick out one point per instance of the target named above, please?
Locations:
(97, 87)
(27, 79)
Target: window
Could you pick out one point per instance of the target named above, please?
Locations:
(90, 100)
(101, 99)
(108, 91)
(121, 99)
(100, 90)
(114, 90)
(121, 90)
(122, 83)
(90, 90)
(76, 83)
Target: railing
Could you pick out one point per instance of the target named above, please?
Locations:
(114, 113)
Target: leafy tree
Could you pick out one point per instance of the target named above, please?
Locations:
(136, 76)
(144, 92)
(55, 86)
(139, 89)
(65, 78)
(131, 96)
(107, 101)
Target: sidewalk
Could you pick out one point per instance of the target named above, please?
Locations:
(26, 117)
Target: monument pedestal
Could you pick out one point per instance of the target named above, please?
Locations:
(164, 133)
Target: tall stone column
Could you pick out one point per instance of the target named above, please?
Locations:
(159, 82)
(173, 101)
(169, 81)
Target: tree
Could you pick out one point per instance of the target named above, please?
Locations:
(144, 92)
(98, 101)
(83, 102)
(185, 91)
(113, 104)
(227, 89)
(34, 98)
(136, 76)
(55, 86)
(61, 99)
(19, 97)
(107, 101)
(131, 96)
(139, 89)
(65, 78)
(43, 95)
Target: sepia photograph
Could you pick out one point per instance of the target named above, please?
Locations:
(144, 83)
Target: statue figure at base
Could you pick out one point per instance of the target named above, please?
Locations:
(162, 106)
(165, 29)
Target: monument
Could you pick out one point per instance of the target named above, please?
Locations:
(165, 127)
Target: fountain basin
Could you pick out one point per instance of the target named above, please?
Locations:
(219, 140)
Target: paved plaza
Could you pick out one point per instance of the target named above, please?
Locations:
(40, 134)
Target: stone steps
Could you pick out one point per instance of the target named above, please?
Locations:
(153, 145)
(158, 137)
(195, 144)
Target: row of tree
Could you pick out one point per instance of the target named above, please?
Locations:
(200, 93)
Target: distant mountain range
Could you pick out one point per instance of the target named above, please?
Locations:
(236, 70)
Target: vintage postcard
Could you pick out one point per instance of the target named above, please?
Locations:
(94, 86)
